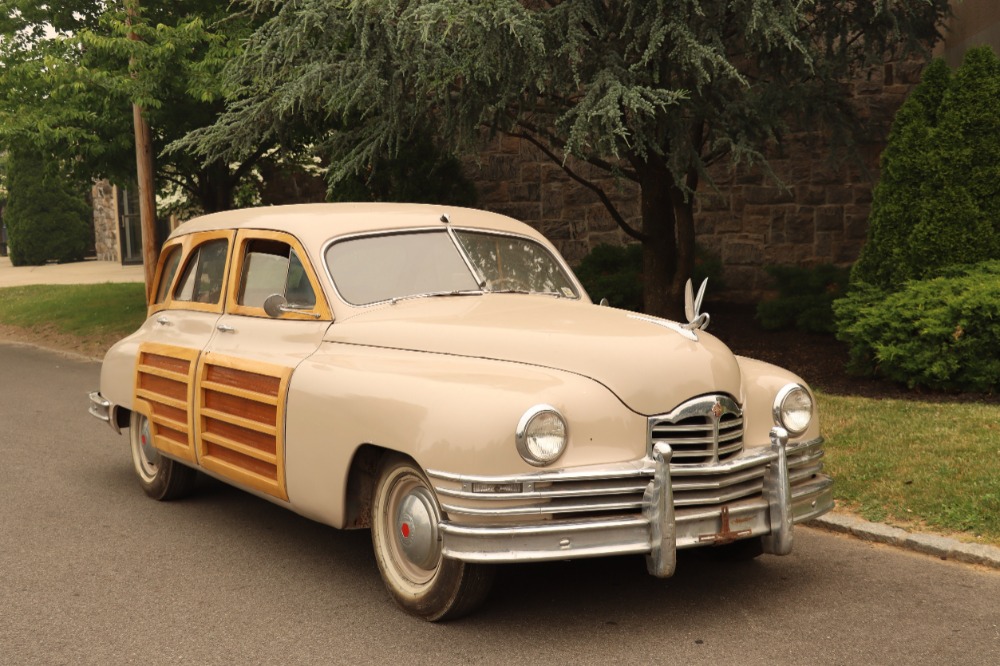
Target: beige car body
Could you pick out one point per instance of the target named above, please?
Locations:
(297, 408)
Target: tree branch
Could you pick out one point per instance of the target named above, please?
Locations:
(593, 161)
(249, 162)
(184, 184)
(596, 189)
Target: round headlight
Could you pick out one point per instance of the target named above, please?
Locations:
(793, 409)
(541, 435)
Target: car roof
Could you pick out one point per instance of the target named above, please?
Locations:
(313, 224)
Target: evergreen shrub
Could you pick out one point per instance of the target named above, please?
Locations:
(942, 333)
(47, 219)
(914, 311)
(614, 272)
(805, 298)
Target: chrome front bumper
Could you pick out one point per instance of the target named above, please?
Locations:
(760, 495)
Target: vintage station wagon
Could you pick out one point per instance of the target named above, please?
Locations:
(439, 376)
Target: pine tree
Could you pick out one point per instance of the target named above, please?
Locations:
(938, 201)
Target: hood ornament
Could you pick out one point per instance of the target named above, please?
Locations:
(697, 320)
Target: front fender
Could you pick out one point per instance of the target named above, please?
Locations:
(449, 413)
(761, 383)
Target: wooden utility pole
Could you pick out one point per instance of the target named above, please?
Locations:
(144, 175)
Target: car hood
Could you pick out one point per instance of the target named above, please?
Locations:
(650, 364)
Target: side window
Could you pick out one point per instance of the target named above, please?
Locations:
(201, 281)
(273, 267)
(168, 273)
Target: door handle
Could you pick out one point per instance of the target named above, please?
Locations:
(163, 321)
(223, 328)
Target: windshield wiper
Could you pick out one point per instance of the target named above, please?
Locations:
(437, 294)
(526, 291)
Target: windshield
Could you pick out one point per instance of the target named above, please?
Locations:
(373, 269)
(513, 263)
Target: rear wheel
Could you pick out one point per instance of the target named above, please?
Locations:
(406, 540)
(161, 478)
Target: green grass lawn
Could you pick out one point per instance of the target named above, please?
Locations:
(934, 466)
(916, 464)
(89, 310)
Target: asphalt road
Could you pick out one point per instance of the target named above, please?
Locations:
(93, 572)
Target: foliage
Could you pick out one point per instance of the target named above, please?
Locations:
(941, 333)
(46, 217)
(418, 173)
(924, 465)
(614, 272)
(71, 93)
(916, 311)
(937, 203)
(652, 91)
(805, 298)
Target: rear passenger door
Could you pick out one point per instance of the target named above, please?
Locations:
(190, 285)
(244, 374)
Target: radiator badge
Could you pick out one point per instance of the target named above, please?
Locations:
(717, 410)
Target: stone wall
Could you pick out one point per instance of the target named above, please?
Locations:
(815, 213)
(106, 242)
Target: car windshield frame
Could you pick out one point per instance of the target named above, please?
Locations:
(478, 283)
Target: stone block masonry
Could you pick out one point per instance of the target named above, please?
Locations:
(814, 210)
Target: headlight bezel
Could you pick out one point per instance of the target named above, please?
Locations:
(779, 411)
(523, 434)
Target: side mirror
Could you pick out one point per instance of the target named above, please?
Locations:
(274, 305)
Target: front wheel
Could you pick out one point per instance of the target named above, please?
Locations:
(406, 540)
(161, 478)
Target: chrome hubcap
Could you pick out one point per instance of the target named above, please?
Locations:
(146, 456)
(417, 528)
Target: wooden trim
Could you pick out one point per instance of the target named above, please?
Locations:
(169, 435)
(243, 237)
(251, 462)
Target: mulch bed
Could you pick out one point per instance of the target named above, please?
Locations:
(819, 359)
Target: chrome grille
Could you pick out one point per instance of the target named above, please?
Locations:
(708, 429)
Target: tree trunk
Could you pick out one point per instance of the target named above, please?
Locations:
(684, 221)
(216, 188)
(668, 251)
(659, 250)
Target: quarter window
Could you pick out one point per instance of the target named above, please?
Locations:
(168, 273)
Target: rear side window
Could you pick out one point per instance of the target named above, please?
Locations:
(201, 281)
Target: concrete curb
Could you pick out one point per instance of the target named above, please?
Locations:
(928, 544)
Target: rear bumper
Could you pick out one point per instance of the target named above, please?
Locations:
(103, 409)
(665, 523)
